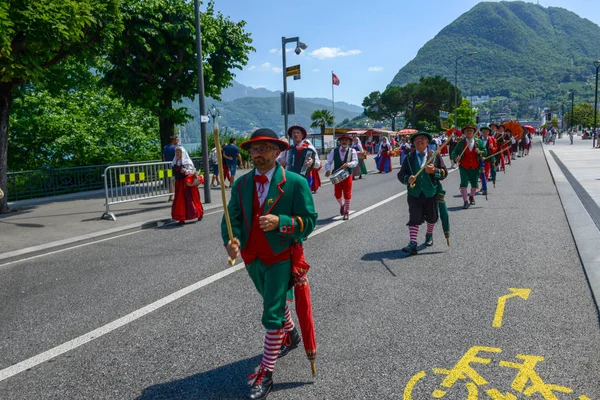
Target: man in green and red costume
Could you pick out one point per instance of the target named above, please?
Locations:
(469, 161)
(422, 205)
(270, 209)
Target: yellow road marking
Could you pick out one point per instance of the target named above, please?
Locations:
(522, 293)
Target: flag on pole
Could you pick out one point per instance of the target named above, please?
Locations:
(335, 80)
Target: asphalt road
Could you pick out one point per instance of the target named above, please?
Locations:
(384, 321)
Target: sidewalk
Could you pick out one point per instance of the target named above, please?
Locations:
(41, 225)
(576, 172)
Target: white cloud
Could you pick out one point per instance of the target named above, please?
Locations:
(252, 67)
(316, 70)
(273, 51)
(375, 69)
(277, 69)
(332, 52)
(265, 66)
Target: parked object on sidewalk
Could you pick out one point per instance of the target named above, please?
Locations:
(132, 182)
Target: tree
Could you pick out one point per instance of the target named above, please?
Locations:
(424, 99)
(385, 106)
(583, 114)
(39, 34)
(154, 60)
(320, 119)
(465, 115)
(76, 121)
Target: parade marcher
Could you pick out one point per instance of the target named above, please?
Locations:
(489, 167)
(384, 161)
(270, 209)
(502, 145)
(314, 181)
(186, 204)
(405, 148)
(451, 145)
(301, 157)
(361, 169)
(467, 155)
(341, 157)
(422, 196)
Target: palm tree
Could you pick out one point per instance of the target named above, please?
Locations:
(321, 118)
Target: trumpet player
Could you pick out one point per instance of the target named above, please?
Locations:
(422, 188)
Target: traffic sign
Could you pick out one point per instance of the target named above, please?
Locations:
(204, 118)
(293, 70)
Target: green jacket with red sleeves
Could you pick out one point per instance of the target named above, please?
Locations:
(289, 197)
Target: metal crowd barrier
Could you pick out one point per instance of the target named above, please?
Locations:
(132, 182)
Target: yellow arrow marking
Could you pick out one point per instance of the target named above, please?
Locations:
(522, 293)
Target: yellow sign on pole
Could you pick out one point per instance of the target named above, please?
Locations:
(292, 71)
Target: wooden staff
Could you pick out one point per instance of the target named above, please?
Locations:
(222, 181)
(496, 153)
(431, 159)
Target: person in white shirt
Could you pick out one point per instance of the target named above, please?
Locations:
(302, 156)
(342, 157)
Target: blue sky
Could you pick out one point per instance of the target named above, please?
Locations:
(364, 43)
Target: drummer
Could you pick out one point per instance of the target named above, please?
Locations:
(340, 158)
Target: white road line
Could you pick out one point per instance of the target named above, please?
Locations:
(111, 326)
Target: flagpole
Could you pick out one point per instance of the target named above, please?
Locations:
(333, 107)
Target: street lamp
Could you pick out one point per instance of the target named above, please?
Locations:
(597, 65)
(456, 83)
(299, 47)
(201, 103)
(572, 106)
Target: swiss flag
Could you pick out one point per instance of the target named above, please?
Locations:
(335, 80)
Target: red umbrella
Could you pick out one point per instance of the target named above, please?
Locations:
(457, 132)
(529, 128)
(407, 131)
(304, 304)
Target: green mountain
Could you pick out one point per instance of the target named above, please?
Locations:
(524, 51)
(244, 109)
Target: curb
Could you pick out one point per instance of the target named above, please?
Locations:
(583, 229)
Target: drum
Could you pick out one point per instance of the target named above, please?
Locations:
(339, 176)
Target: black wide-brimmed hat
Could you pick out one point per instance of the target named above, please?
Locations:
(494, 124)
(486, 128)
(344, 136)
(265, 135)
(301, 128)
(415, 135)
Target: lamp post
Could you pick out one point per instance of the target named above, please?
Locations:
(299, 47)
(202, 104)
(572, 106)
(456, 83)
(597, 65)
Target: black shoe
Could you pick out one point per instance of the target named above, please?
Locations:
(466, 205)
(484, 192)
(472, 200)
(345, 217)
(428, 239)
(341, 210)
(261, 386)
(411, 248)
(291, 340)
